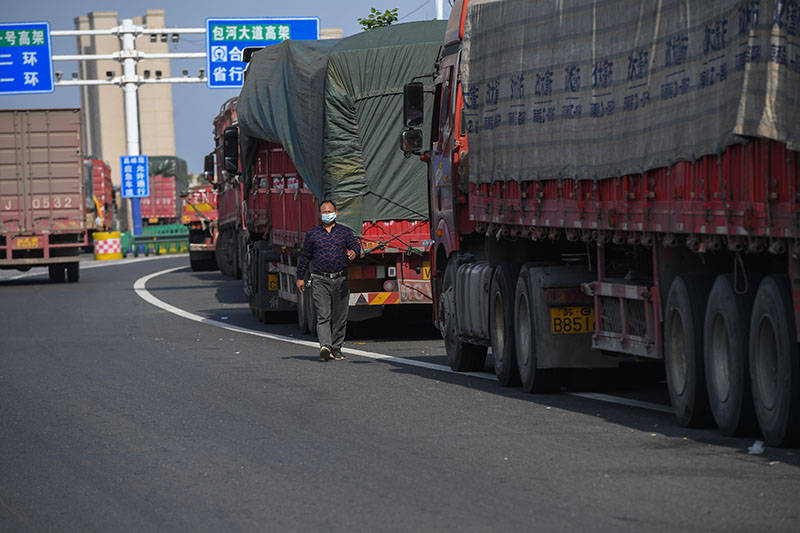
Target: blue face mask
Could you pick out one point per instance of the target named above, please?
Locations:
(327, 218)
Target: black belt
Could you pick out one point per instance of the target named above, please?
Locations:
(330, 275)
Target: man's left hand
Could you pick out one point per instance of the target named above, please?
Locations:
(351, 255)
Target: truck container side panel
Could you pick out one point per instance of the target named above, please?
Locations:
(162, 202)
(277, 204)
(42, 208)
(228, 205)
(309, 210)
(291, 207)
(285, 199)
(40, 172)
(746, 191)
(257, 220)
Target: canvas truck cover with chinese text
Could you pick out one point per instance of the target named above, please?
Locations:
(41, 172)
(336, 108)
(587, 90)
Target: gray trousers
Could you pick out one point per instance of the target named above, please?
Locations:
(331, 300)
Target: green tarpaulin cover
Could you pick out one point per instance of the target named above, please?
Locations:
(336, 107)
(581, 89)
(170, 165)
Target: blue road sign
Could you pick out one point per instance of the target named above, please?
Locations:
(226, 40)
(135, 176)
(26, 59)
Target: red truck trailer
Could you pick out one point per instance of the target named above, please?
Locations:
(308, 134)
(229, 193)
(599, 192)
(169, 179)
(42, 214)
(200, 216)
(100, 195)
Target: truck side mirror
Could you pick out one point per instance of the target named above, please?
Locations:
(247, 53)
(411, 142)
(413, 104)
(230, 149)
(208, 167)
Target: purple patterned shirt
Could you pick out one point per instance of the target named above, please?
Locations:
(327, 251)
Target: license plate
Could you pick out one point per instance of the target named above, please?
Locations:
(27, 242)
(571, 320)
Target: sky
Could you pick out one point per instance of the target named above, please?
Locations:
(195, 105)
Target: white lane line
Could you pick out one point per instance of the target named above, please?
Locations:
(623, 401)
(140, 286)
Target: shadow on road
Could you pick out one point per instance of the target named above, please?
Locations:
(27, 281)
(656, 423)
(635, 381)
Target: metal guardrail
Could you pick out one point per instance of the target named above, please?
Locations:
(157, 245)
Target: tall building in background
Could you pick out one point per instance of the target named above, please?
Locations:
(103, 107)
(331, 33)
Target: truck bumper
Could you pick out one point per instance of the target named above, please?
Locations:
(37, 261)
(202, 247)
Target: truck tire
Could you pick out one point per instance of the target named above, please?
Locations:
(774, 361)
(224, 254)
(501, 323)
(56, 272)
(725, 341)
(683, 349)
(462, 356)
(532, 378)
(73, 272)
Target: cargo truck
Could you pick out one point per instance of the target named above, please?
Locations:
(169, 180)
(621, 180)
(312, 121)
(42, 204)
(200, 216)
(100, 196)
(229, 191)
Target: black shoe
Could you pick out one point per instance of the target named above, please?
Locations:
(325, 353)
(338, 355)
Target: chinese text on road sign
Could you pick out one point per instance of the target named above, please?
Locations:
(26, 64)
(226, 40)
(135, 178)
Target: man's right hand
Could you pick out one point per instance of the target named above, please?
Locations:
(301, 285)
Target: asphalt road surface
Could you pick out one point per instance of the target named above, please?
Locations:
(171, 408)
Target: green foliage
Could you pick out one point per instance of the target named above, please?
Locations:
(376, 19)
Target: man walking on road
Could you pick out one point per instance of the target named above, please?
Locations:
(328, 247)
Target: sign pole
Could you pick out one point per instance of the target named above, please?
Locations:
(130, 89)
